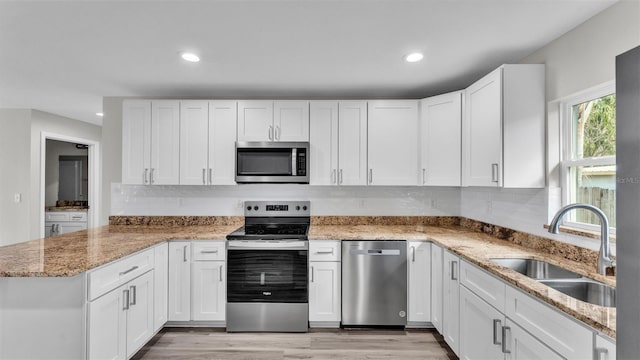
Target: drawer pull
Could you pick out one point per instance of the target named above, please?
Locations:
(128, 271)
(497, 324)
(329, 251)
(208, 251)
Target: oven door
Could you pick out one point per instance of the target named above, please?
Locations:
(267, 271)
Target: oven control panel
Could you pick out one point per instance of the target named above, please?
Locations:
(277, 208)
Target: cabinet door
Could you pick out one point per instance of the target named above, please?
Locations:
(482, 135)
(160, 285)
(436, 287)
(108, 326)
(523, 346)
(451, 302)
(352, 143)
(194, 142)
(419, 281)
(291, 120)
(323, 142)
(165, 143)
(393, 142)
(140, 313)
(136, 141)
(179, 281)
(208, 290)
(440, 139)
(324, 291)
(64, 228)
(255, 121)
(222, 142)
(605, 349)
(480, 328)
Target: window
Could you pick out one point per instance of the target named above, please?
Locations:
(589, 156)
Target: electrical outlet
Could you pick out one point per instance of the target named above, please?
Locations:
(17, 197)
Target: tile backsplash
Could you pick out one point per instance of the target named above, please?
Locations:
(183, 200)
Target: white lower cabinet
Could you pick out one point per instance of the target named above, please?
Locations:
(160, 285)
(325, 308)
(605, 349)
(419, 283)
(197, 281)
(436, 287)
(480, 328)
(451, 301)
(121, 321)
(179, 302)
(523, 346)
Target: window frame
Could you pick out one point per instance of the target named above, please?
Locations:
(566, 146)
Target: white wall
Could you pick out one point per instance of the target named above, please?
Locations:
(582, 58)
(14, 175)
(20, 164)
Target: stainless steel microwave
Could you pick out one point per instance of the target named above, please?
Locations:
(272, 162)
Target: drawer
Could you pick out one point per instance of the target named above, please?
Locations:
(60, 216)
(324, 250)
(116, 273)
(483, 284)
(208, 250)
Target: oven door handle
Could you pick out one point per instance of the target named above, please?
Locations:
(267, 245)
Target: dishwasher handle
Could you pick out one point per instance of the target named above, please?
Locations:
(374, 252)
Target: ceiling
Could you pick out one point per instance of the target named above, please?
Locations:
(62, 57)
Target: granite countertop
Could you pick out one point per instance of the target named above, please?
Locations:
(74, 253)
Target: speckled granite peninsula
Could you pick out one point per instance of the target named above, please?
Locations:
(71, 254)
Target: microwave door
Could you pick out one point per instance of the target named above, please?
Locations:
(294, 168)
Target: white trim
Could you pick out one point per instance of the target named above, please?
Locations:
(93, 214)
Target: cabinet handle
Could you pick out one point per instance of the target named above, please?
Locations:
(133, 295)
(270, 132)
(454, 272)
(494, 172)
(340, 177)
(370, 176)
(210, 176)
(208, 251)
(278, 132)
(602, 354)
(57, 228)
(204, 176)
(424, 176)
(220, 273)
(145, 176)
(53, 229)
(312, 274)
(128, 271)
(330, 251)
(184, 253)
(497, 324)
(151, 176)
(333, 176)
(413, 254)
(125, 295)
(505, 339)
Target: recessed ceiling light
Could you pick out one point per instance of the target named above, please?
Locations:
(414, 57)
(191, 57)
(100, 114)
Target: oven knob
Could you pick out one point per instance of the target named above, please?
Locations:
(255, 208)
(298, 208)
(248, 208)
(304, 208)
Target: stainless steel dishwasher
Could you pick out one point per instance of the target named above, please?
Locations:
(374, 283)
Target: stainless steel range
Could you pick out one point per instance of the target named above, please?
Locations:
(267, 262)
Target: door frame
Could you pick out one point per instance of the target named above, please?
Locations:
(93, 213)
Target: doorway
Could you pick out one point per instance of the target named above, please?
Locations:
(69, 178)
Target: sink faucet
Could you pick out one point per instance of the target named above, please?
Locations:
(604, 256)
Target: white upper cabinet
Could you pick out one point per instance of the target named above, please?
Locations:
(440, 140)
(262, 120)
(150, 142)
(323, 143)
(352, 143)
(291, 120)
(165, 143)
(503, 129)
(393, 142)
(136, 141)
(207, 142)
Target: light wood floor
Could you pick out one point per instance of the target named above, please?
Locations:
(196, 344)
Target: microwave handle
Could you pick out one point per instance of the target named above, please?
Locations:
(294, 157)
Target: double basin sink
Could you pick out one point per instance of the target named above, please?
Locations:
(563, 280)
